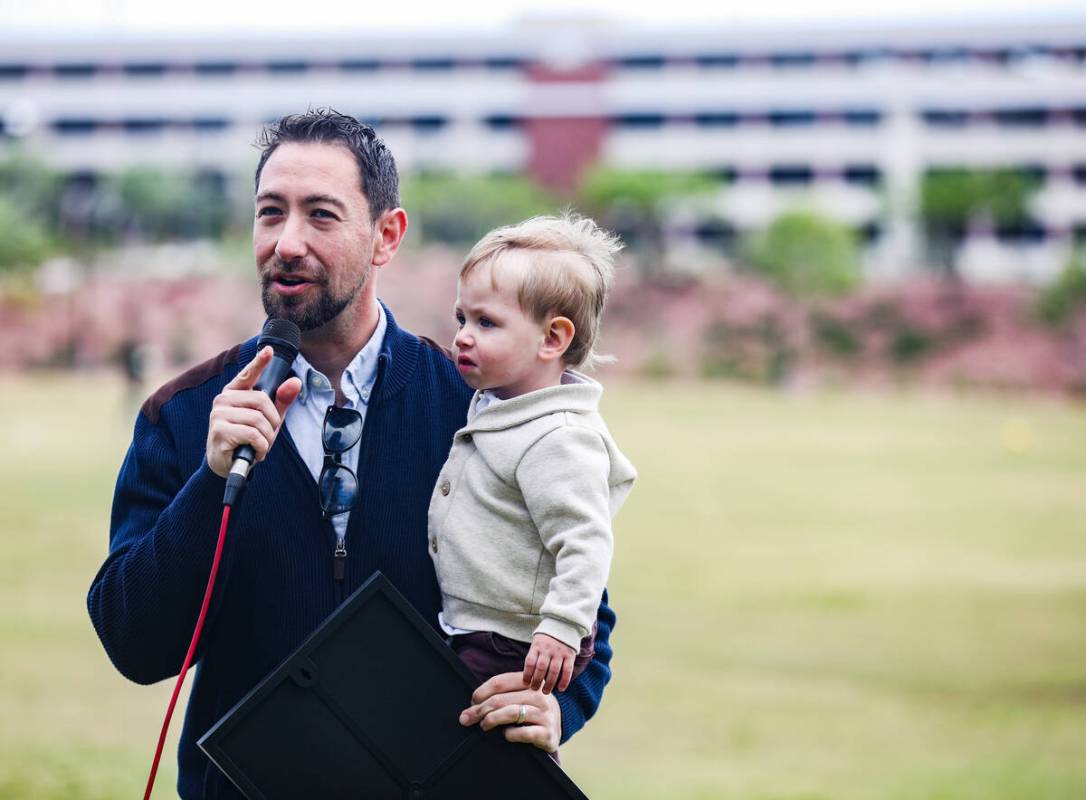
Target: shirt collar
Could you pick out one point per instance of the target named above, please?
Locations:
(358, 377)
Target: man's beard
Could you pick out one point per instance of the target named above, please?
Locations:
(308, 312)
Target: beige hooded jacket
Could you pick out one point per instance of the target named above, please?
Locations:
(520, 518)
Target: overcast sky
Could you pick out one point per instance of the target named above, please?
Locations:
(92, 17)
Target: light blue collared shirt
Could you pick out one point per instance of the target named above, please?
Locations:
(305, 417)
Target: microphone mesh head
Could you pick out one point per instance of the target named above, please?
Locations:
(283, 335)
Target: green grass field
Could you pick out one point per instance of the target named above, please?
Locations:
(827, 596)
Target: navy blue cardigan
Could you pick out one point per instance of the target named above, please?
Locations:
(276, 581)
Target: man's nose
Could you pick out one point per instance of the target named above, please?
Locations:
(291, 243)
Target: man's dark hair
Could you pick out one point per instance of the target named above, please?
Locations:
(379, 179)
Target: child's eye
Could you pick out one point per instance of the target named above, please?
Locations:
(459, 319)
(485, 322)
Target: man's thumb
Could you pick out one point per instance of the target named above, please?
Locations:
(288, 392)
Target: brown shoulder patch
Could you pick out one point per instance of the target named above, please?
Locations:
(426, 340)
(187, 380)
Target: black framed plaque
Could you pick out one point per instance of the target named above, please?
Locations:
(368, 707)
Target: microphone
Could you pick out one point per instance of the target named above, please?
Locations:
(284, 337)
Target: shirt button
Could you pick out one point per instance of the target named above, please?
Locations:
(445, 488)
(433, 545)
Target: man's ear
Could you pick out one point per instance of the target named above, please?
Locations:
(557, 337)
(389, 231)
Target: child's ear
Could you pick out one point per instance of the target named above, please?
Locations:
(557, 337)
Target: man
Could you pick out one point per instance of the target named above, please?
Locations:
(327, 219)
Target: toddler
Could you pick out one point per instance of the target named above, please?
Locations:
(520, 518)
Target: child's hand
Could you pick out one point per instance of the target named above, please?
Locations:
(549, 664)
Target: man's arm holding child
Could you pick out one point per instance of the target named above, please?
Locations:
(551, 719)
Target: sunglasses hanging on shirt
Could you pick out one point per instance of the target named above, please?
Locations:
(338, 484)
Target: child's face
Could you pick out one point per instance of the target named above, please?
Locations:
(497, 345)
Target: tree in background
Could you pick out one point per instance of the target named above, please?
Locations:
(633, 204)
(1059, 301)
(24, 241)
(29, 210)
(806, 254)
(953, 199)
(459, 209)
(149, 204)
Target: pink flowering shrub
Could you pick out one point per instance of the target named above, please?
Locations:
(927, 332)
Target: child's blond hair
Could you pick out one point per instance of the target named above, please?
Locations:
(568, 271)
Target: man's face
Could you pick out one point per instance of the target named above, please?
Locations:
(313, 236)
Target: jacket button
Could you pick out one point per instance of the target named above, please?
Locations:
(433, 545)
(467, 438)
(445, 488)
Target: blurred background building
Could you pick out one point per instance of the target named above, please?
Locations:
(849, 121)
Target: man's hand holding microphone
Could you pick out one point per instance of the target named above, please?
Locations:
(248, 413)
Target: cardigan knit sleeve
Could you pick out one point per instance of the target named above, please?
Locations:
(582, 699)
(145, 599)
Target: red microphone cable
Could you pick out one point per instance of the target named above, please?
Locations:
(192, 650)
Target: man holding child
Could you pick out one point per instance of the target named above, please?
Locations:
(327, 220)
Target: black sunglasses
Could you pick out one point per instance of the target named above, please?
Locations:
(338, 484)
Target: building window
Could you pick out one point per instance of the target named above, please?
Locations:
(144, 125)
(717, 60)
(945, 55)
(145, 69)
(716, 119)
(75, 70)
(11, 72)
(791, 119)
(72, 126)
(725, 173)
(640, 120)
(869, 233)
(503, 62)
(786, 60)
(287, 67)
(875, 55)
(501, 122)
(1021, 117)
(862, 117)
(790, 175)
(435, 64)
(862, 174)
(212, 68)
(716, 233)
(1027, 231)
(210, 124)
(360, 65)
(428, 123)
(641, 61)
(943, 118)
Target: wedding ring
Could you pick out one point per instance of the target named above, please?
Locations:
(523, 715)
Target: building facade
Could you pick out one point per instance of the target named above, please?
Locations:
(845, 121)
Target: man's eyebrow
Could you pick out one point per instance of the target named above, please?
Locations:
(317, 199)
(309, 200)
